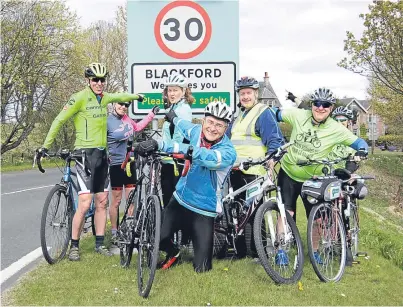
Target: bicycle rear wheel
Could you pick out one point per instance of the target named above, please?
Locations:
(280, 252)
(57, 215)
(148, 245)
(326, 242)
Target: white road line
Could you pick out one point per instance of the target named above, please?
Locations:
(30, 189)
(20, 264)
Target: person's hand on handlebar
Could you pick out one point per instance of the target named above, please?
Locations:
(41, 152)
(146, 148)
(361, 154)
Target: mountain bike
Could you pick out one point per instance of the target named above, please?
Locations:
(59, 208)
(142, 229)
(276, 237)
(328, 220)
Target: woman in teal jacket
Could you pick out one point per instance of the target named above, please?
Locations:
(178, 97)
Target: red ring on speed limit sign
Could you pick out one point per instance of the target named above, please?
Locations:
(161, 43)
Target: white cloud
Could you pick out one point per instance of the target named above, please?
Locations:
(298, 42)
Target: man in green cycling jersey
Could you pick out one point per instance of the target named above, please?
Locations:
(89, 111)
(314, 134)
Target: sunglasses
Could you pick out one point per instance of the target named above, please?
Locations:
(122, 104)
(319, 104)
(96, 80)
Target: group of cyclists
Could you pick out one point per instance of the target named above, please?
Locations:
(192, 202)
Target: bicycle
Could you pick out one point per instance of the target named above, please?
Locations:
(327, 223)
(353, 190)
(58, 216)
(142, 229)
(276, 237)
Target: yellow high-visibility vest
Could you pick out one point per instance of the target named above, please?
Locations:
(247, 144)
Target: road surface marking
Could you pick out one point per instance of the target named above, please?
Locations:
(30, 189)
(20, 264)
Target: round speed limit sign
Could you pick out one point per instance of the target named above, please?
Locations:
(182, 29)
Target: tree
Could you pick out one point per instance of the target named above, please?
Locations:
(107, 43)
(378, 54)
(389, 105)
(37, 40)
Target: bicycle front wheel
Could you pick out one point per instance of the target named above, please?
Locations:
(279, 246)
(57, 215)
(354, 229)
(148, 245)
(326, 242)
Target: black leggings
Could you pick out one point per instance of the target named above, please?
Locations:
(199, 227)
(168, 181)
(290, 190)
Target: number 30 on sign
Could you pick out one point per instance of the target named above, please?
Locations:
(182, 29)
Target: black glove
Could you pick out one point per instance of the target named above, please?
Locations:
(146, 148)
(170, 116)
(155, 110)
(166, 103)
(41, 152)
(141, 97)
(361, 153)
(291, 96)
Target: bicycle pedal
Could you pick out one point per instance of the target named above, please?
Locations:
(356, 262)
(362, 254)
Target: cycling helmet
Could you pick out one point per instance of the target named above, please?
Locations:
(219, 110)
(343, 111)
(176, 80)
(96, 70)
(323, 95)
(246, 82)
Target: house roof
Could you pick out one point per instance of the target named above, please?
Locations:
(363, 104)
(266, 92)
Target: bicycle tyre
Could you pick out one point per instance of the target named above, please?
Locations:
(148, 244)
(264, 252)
(66, 218)
(322, 210)
(354, 221)
(126, 249)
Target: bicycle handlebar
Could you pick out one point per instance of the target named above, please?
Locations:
(245, 165)
(64, 154)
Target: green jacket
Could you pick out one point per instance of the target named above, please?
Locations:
(90, 117)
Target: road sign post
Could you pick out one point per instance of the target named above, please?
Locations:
(193, 38)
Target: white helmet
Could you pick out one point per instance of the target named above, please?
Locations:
(218, 109)
(323, 95)
(176, 80)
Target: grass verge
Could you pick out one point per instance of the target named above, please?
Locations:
(101, 281)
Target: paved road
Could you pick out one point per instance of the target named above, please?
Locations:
(22, 198)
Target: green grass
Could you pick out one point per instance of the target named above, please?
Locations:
(242, 282)
(22, 166)
(375, 281)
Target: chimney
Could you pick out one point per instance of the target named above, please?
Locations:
(266, 79)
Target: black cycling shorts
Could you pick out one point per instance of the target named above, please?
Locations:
(119, 178)
(93, 178)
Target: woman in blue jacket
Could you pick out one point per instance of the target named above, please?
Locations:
(177, 97)
(197, 197)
